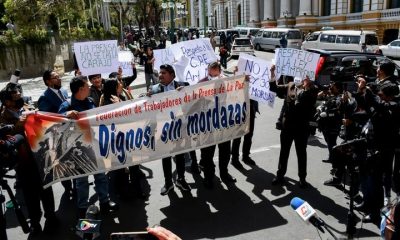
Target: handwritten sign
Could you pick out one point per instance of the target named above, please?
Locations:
(259, 71)
(296, 63)
(163, 56)
(96, 57)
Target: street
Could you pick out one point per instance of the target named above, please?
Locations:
(250, 209)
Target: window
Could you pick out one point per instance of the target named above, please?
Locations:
(328, 38)
(395, 44)
(253, 31)
(260, 33)
(242, 42)
(357, 6)
(243, 32)
(313, 37)
(274, 35)
(371, 39)
(343, 39)
(293, 35)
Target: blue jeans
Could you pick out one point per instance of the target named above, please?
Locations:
(82, 189)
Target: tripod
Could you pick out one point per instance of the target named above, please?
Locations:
(351, 217)
(17, 208)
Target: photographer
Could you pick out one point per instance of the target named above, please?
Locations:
(384, 121)
(14, 146)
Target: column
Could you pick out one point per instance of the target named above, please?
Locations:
(201, 16)
(269, 10)
(209, 13)
(305, 7)
(286, 9)
(192, 14)
(315, 7)
(254, 11)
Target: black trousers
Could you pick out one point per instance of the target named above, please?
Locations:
(300, 138)
(32, 188)
(207, 155)
(167, 167)
(247, 140)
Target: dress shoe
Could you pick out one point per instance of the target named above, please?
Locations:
(35, 230)
(303, 183)
(333, 182)
(370, 218)
(278, 181)
(227, 178)
(182, 184)
(108, 207)
(249, 161)
(360, 207)
(237, 164)
(167, 187)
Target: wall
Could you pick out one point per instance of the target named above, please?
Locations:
(33, 60)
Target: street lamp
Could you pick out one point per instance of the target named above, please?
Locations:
(181, 12)
(171, 6)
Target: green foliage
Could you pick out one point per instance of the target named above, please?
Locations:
(25, 38)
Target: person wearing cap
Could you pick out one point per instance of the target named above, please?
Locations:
(297, 113)
(168, 83)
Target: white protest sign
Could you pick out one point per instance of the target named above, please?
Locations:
(125, 56)
(163, 56)
(259, 71)
(96, 57)
(296, 63)
(125, 59)
(196, 54)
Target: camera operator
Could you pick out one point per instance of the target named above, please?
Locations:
(384, 114)
(26, 167)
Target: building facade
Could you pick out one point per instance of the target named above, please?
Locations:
(382, 16)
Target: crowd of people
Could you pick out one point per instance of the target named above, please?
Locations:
(371, 114)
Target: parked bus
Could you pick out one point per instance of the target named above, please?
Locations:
(268, 38)
(342, 40)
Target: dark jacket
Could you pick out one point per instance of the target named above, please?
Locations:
(95, 94)
(49, 101)
(299, 106)
(75, 104)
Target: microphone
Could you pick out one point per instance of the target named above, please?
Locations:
(307, 213)
(89, 228)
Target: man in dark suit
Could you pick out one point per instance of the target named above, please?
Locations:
(50, 101)
(168, 83)
(224, 148)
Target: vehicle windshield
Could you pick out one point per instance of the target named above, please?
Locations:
(242, 42)
(293, 35)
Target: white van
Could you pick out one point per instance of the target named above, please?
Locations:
(268, 38)
(341, 40)
(246, 31)
(227, 32)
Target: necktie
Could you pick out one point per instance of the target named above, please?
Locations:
(61, 95)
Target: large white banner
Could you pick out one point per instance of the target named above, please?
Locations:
(295, 62)
(136, 131)
(259, 72)
(97, 57)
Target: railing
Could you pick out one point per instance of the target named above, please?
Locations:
(353, 16)
(324, 19)
(391, 13)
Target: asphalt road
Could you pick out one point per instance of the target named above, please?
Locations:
(250, 209)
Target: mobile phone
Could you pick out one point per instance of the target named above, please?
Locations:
(132, 236)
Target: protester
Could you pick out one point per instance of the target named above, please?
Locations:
(50, 101)
(168, 83)
(96, 89)
(223, 53)
(151, 78)
(283, 41)
(80, 102)
(299, 102)
(224, 148)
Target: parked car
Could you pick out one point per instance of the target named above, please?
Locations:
(268, 38)
(242, 45)
(343, 66)
(392, 49)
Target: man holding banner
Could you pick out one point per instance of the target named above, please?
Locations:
(80, 102)
(224, 148)
(168, 83)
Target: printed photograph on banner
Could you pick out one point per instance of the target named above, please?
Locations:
(296, 63)
(259, 72)
(97, 56)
